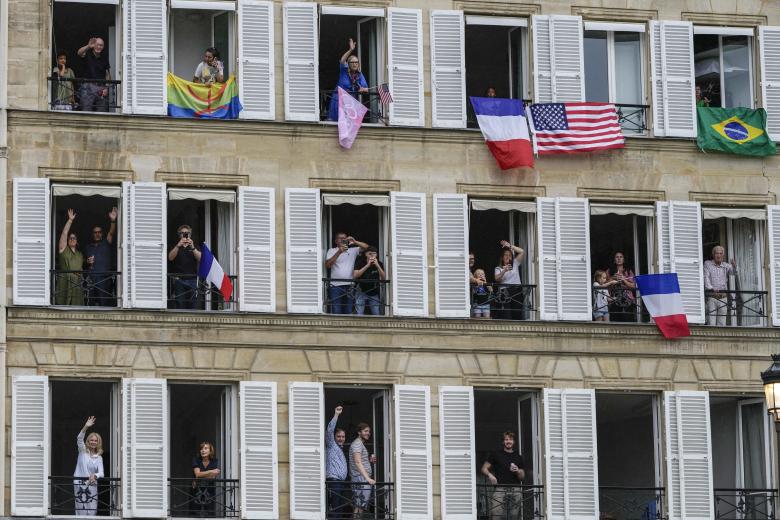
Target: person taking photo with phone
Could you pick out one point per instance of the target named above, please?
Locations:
(368, 271)
(185, 257)
(341, 262)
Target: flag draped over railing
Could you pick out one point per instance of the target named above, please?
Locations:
(196, 100)
(663, 301)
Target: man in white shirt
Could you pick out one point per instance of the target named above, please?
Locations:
(716, 286)
(341, 262)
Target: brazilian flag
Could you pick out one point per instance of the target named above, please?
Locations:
(740, 131)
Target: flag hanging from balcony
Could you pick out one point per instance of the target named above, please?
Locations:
(575, 127)
(662, 299)
(210, 270)
(505, 129)
(215, 101)
(739, 131)
(351, 113)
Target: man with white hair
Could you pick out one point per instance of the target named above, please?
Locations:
(716, 286)
(93, 94)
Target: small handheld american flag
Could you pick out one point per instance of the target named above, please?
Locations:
(384, 94)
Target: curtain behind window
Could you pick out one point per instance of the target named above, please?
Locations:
(749, 278)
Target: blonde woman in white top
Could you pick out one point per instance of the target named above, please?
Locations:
(89, 468)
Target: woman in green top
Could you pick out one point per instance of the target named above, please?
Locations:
(701, 101)
(69, 290)
(63, 89)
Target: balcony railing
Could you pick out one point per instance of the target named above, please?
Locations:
(632, 118)
(631, 503)
(745, 504)
(189, 291)
(76, 496)
(85, 95)
(623, 305)
(377, 112)
(348, 296)
(503, 301)
(736, 308)
(357, 500)
(204, 498)
(95, 288)
(509, 502)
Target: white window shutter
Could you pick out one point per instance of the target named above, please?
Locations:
(256, 83)
(773, 224)
(558, 55)
(769, 49)
(414, 495)
(32, 242)
(30, 439)
(451, 249)
(456, 459)
(145, 69)
(448, 69)
(405, 66)
(257, 252)
(125, 234)
(688, 455)
(307, 455)
(662, 236)
(563, 232)
(304, 262)
(145, 448)
(571, 460)
(148, 257)
(409, 245)
(674, 96)
(301, 62)
(259, 459)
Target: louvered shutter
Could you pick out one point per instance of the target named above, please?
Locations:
(145, 57)
(688, 455)
(674, 96)
(769, 48)
(257, 252)
(259, 462)
(558, 59)
(451, 236)
(456, 443)
(773, 224)
(679, 247)
(409, 245)
(126, 269)
(30, 439)
(307, 456)
(256, 84)
(564, 268)
(301, 62)
(571, 461)
(448, 69)
(145, 447)
(405, 66)
(148, 260)
(414, 495)
(302, 236)
(32, 242)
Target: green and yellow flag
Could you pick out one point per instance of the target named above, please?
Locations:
(740, 131)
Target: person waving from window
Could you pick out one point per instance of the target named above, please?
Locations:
(350, 79)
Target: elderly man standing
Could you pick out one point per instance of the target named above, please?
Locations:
(93, 95)
(716, 286)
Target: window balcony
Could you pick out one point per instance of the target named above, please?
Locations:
(92, 288)
(503, 301)
(348, 296)
(357, 500)
(377, 112)
(203, 498)
(632, 118)
(190, 292)
(745, 504)
(510, 502)
(631, 503)
(69, 496)
(84, 95)
(736, 308)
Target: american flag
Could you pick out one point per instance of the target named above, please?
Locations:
(384, 94)
(575, 127)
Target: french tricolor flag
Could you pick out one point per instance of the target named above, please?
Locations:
(505, 128)
(210, 270)
(662, 299)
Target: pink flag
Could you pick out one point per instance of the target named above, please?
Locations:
(351, 112)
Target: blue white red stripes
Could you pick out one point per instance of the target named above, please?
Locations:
(504, 125)
(210, 270)
(575, 127)
(662, 299)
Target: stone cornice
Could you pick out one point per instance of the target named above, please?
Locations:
(85, 175)
(202, 180)
(500, 191)
(493, 8)
(734, 19)
(609, 195)
(732, 199)
(355, 185)
(614, 14)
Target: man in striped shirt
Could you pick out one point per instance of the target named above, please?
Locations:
(716, 286)
(336, 469)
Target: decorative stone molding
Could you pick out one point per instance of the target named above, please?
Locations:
(731, 199)
(487, 7)
(616, 14)
(508, 382)
(501, 192)
(202, 180)
(358, 380)
(634, 196)
(628, 385)
(355, 185)
(189, 374)
(362, 3)
(86, 176)
(661, 144)
(91, 373)
(741, 20)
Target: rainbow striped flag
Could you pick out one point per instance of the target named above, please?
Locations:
(215, 101)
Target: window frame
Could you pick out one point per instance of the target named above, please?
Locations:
(720, 32)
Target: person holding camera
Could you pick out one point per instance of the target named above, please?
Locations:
(368, 271)
(341, 262)
(185, 257)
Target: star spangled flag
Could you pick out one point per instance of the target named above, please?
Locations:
(210, 270)
(575, 127)
(504, 126)
(351, 113)
(384, 94)
(662, 299)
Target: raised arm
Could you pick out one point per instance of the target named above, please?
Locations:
(351, 49)
(83, 50)
(80, 437)
(65, 230)
(330, 440)
(353, 241)
(112, 228)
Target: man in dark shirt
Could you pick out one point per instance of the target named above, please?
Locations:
(368, 271)
(185, 257)
(504, 469)
(93, 95)
(98, 253)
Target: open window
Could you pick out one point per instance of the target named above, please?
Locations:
(195, 27)
(723, 60)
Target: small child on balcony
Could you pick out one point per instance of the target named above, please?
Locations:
(480, 295)
(601, 296)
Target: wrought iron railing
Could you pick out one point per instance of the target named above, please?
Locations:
(85, 95)
(622, 304)
(363, 297)
(70, 495)
(189, 291)
(204, 498)
(632, 118)
(503, 301)
(377, 112)
(96, 288)
(745, 504)
(631, 503)
(736, 308)
(359, 500)
(509, 502)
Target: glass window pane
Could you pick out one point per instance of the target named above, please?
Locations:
(706, 59)
(736, 71)
(516, 56)
(628, 80)
(596, 68)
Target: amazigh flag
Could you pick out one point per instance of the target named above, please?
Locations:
(662, 299)
(740, 131)
(505, 129)
(210, 270)
(351, 113)
(215, 101)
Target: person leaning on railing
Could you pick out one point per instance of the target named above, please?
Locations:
(205, 467)
(716, 283)
(68, 285)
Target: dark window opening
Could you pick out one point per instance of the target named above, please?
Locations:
(596, 66)
(195, 30)
(723, 70)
